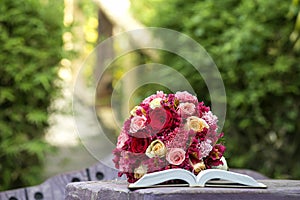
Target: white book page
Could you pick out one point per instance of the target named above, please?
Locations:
(163, 176)
(209, 174)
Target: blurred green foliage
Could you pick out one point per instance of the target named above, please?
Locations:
(31, 48)
(255, 45)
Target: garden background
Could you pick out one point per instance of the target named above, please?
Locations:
(254, 43)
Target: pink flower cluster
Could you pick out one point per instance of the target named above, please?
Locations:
(168, 131)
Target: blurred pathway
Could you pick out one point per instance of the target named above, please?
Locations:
(71, 153)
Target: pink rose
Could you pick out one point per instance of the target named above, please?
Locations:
(123, 137)
(175, 156)
(186, 97)
(186, 108)
(137, 123)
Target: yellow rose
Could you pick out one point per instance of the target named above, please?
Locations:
(140, 171)
(196, 124)
(155, 103)
(156, 148)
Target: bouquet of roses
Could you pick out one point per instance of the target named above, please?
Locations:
(165, 132)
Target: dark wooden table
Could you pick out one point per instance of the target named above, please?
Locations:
(96, 190)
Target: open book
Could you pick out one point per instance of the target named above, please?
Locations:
(206, 178)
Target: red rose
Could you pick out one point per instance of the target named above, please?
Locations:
(139, 145)
(160, 119)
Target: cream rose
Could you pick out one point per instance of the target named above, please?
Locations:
(140, 171)
(196, 124)
(133, 111)
(175, 156)
(156, 148)
(136, 108)
(198, 167)
(155, 103)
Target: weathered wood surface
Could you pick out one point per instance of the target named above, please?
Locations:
(115, 190)
(54, 188)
